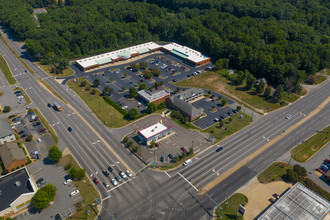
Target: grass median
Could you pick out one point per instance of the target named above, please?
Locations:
(230, 206)
(55, 93)
(306, 150)
(216, 82)
(96, 103)
(86, 190)
(6, 71)
(48, 69)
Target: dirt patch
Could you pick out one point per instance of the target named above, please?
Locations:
(259, 195)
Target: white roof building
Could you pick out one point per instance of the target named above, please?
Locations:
(152, 130)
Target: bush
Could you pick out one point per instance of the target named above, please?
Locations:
(6, 108)
(82, 84)
(5, 171)
(292, 176)
(125, 140)
(29, 137)
(43, 196)
(135, 148)
(113, 104)
(17, 167)
(238, 108)
(130, 143)
(282, 103)
(93, 92)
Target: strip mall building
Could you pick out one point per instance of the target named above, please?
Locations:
(188, 55)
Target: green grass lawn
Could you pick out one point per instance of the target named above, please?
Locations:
(86, 190)
(319, 78)
(230, 207)
(47, 68)
(273, 172)
(6, 71)
(97, 104)
(229, 128)
(216, 82)
(305, 150)
(27, 98)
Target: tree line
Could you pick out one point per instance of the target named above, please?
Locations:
(283, 41)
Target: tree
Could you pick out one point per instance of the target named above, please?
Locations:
(132, 92)
(6, 108)
(230, 119)
(157, 84)
(261, 87)
(250, 79)
(191, 150)
(105, 91)
(222, 63)
(96, 82)
(219, 98)
(209, 92)
(93, 92)
(238, 80)
(82, 84)
(152, 144)
(110, 79)
(155, 72)
(301, 171)
(278, 94)
(292, 176)
(151, 107)
(29, 137)
(43, 196)
(125, 74)
(76, 174)
(135, 66)
(142, 86)
(143, 65)
(132, 113)
(221, 124)
(224, 102)
(238, 108)
(267, 92)
(62, 64)
(184, 154)
(54, 154)
(110, 91)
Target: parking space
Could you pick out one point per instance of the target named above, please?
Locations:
(172, 144)
(64, 203)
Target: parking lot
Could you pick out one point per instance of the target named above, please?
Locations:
(172, 144)
(16, 101)
(64, 203)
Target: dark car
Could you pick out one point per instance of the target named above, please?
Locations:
(58, 217)
(38, 123)
(170, 156)
(49, 105)
(110, 168)
(174, 80)
(183, 149)
(161, 159)
(69, 129)
(95, 180)
(221, 117)
(21, 132)
(118, 178)
(105, 172)
(235, 111)
(40, 182)
(229, 113)
(17, 92)
(24, 135)
(219, 149)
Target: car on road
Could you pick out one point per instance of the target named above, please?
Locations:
(118, 178)
(105, 172)
(183, 149)
(74, 193)
(106, 184)
(187, 162)
(40, 182)
(110, 169)
(69, 129)
(276, 195)
(66, 182)
(122, 174)
(219, 149)
(114, 182)
(128, 173)
(95, 180)
(42, 130)
(288, 116)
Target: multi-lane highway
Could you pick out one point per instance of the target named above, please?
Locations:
(171, 195)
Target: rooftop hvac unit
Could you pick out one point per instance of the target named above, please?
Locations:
(156, 126)
(18, 183)
(152, 130)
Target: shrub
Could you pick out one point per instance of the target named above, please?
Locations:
(130, 143)
(125, 140)
(68, 166)
(29, 137)
(54, 154)
(301, 171)
(292, 176)
(82, 84)
(93, 92)
(6, 108)
(113, 104)
(135, 148)
(5, 171)
(282, 103)
(17, 167)
(76, 174)
(238, 107)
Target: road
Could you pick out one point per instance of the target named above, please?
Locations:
(171, 195)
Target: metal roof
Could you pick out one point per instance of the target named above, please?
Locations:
(5, 128)
(10, 189)
(298, 203)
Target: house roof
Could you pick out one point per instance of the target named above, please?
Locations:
(10, 152)
(13, 185)
(5, 128)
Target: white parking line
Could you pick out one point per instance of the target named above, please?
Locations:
(167, 174)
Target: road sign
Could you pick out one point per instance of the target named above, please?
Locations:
(241, 210)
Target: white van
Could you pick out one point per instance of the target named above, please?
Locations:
(187, 162)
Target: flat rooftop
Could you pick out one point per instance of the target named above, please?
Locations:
(186, 52)
(154, 129)
(298, 203)
(12, 186)
(152, 96)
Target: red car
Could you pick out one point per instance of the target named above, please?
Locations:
(42, 130)
(172, 73)
(327, 160)
(183, 149)
(95, 180)
(320, 170)
(276, 195)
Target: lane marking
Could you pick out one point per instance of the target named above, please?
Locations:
(188, 182)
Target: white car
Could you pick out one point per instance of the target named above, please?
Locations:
(216, 119)
(114, 182)
(74, 193)
(128, 173)
(39, 140)
(122, 174)
(288, 116)
(125, 107)
(106, 184)
(67, 181)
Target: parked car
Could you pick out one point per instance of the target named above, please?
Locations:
(40, 182)
(114, 182)
(39, 140)
(288, 116)
(95, 180)
(216, 119)
(23, 136)
(161, 159)
(106, 184)
(69, 129)
(66, 182)
(129, 173)
(105, 172)
(42, 130)
(327, 160)
(49, 105)
(183, 149)
(221, 117)
(118, 178)
(174, 80)
(170, 156)
(235, 111)
(122, 174)
(276, 195)
(110, 169)
(38, 123)
(229, 113)
(319, 170)
(74, 193)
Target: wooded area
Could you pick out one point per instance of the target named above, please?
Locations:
(281, 40)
